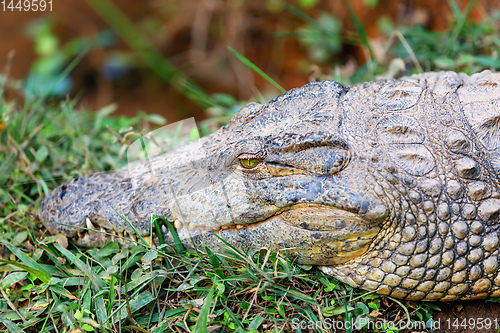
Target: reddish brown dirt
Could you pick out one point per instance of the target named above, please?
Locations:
(467, 316)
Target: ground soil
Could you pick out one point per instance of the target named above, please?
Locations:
(465, 317)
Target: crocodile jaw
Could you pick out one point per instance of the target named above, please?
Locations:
(310, 234)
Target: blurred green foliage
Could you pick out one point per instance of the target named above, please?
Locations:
(475, 47)
(322, 37)
(50, 74)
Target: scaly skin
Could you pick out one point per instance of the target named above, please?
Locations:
(391, 186)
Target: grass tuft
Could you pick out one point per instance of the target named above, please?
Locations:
(256, 69)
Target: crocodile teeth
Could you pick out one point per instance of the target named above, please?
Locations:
(89, 223)
(125, 234)
(192, 226)
(80, 235)
(120, 234)
(240, 226)
(225, 227)
(147, 239)
(102, 229)
(132, 237)
(177, 224)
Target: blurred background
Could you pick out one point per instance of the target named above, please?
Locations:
(169, 57)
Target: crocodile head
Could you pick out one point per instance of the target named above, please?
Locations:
(283, 175)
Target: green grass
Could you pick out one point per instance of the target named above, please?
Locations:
(52, 286)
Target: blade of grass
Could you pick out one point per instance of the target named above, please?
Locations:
(44, 278)
(359, 28)
(303, 16)
(140, 303)
(29, 264)
(256, 322)
(244, 257)
(455, 10)
(111, 14)
(408, 317)
(295, 293)
(215, 263)
(100, 310)
(135, 304)
(98, 284)
(179, 247)
(44, 186)
(161, 241)
(11, 326)
(256, 69)
(460, 22)
(235, 319)
(63, 74)
(111, 293)
(201, 322)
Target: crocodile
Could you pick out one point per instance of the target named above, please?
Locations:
(391, 186)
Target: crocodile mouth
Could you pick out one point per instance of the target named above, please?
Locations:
(313, 234)
(95, 235)
(312, 217)
(323, 218)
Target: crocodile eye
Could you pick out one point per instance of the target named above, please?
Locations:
(249, 163)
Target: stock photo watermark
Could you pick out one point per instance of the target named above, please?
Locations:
(26, 5)
(365, 323)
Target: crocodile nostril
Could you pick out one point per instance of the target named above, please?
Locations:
(63, 192)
